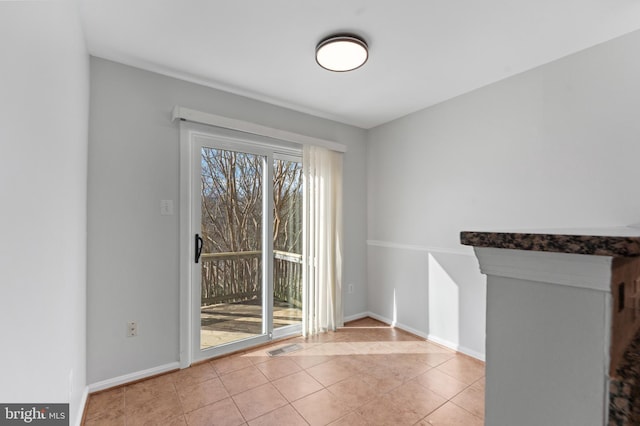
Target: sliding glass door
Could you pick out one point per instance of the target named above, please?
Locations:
(247, 236)
(230, 246)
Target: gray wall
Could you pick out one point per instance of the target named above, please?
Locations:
(553, 147)
(557, 146)
(44, 99)
(133, 251)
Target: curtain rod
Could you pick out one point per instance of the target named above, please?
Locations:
(200, 117)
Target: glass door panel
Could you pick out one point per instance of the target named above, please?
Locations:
(287, 243)
(231, 272)
(246, 221)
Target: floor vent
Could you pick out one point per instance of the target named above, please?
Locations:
(284, 350)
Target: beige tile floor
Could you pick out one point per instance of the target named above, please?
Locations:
(364, 374)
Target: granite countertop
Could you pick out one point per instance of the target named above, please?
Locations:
(618, 242)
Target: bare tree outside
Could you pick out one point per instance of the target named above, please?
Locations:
(231, 225)
(287, 232)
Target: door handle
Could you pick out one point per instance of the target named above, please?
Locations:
(198, 247)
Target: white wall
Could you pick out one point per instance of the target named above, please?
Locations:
(133, 251)
(557, 146)
(44, 92)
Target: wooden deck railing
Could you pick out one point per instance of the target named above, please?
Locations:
(237, 277)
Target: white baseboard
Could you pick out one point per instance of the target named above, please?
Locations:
(371, 315)
(83, 405)
(381, 319)
(356, 316)
(412, 330)
(456, 347)
(431, 337)
(132, 377)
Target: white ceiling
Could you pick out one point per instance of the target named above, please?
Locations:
(421, 51)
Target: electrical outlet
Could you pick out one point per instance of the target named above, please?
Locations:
(132, 329)
(350, 289)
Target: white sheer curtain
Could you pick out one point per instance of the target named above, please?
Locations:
(322, 240)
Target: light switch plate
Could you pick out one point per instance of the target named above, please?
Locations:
(166, 207)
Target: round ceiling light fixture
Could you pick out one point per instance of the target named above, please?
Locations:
(342, 52)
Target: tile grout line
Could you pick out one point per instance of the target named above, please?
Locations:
(459, 406)
(323, 350)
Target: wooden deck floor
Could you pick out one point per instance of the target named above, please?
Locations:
(227, 322)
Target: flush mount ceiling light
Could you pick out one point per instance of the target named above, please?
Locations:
(341, 53)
